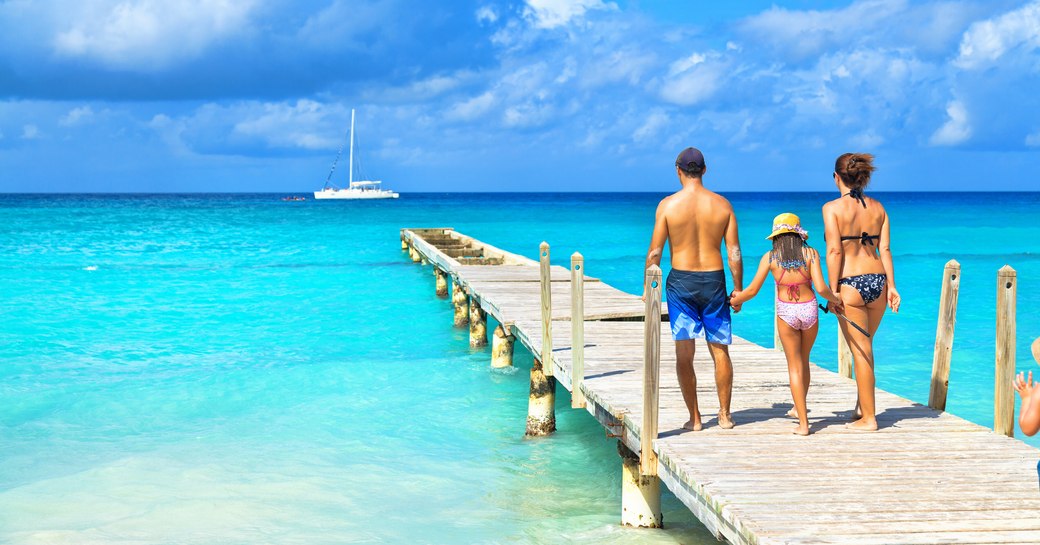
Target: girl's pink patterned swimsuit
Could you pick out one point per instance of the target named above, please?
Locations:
(799, 315)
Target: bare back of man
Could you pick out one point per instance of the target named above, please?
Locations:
(695, 221)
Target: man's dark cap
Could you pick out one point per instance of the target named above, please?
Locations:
(690, 159)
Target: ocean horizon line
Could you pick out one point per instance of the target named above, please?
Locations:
(663, 192)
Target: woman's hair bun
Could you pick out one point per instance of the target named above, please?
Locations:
(855, 169)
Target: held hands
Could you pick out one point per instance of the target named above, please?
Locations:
(736, 301)
(893, 298)
(836, 306)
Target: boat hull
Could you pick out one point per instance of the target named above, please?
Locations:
(354, 194)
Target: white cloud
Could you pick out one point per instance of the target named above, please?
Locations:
(1033, 140)
(78, 115)
(987, 41)
(956, 130)
(471, 109)
(693, 79)
(867, 139)
(305, 124)
(486, 14)
(150, 35)
(556, 13)
(650, 128)
(30, 132)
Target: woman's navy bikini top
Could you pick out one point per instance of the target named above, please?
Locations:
(864, 238)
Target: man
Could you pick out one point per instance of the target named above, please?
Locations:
(694, 221)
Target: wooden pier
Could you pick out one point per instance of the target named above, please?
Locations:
(925, 477)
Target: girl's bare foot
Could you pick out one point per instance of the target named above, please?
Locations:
(693, 425)
(725, 421)
(802, 429)
(792, 413)
(862, 425)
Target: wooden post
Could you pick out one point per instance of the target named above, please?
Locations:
(844, 356)
(477, 324)
(414, 254)
(1004, 396)
(951, 287)
(546, 285)
(541, 403)
(577, 330)
(501, 348)
(777, 345)
(404, 243)
(651, 371)
(640, 494)
(442, 282)
(461, 304)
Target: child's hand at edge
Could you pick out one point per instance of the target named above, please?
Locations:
(1025, 386)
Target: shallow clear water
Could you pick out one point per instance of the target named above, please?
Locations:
(215, 369)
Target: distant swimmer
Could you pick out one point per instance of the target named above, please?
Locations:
(694, 221)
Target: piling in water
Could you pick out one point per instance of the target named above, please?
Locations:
(442, 282)
(640, 494)
(541, 403)
(461, 303)
(477, 324)
(501, 348)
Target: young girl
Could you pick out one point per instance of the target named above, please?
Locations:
(795, 268)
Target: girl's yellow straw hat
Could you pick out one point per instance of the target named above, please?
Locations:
(787, 223)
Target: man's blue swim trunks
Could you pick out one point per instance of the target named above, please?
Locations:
(697, 306)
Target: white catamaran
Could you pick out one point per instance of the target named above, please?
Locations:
(362, 189)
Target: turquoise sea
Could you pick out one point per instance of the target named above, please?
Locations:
(238, 369)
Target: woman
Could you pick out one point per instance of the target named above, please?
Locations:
(859, 268)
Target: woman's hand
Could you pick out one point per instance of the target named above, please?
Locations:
(837, 306)
(1025, 386)
(893, 298)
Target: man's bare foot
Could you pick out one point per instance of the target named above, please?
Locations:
(692, 425)
(725, 421)
(802, 430)
(862, 425)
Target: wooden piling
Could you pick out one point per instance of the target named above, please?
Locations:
(541, 403)
(414, 254)
(461, 303)
(944, 335)
(477, 324)
(546, 285)
(442, 282)
(1004, 396)
(501, 348)
(651, 371)
(404, 244)
(844, 356)
(640, 494)
(577, 330)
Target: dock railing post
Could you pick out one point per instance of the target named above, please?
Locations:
(844, 356)
(541, 403)
(651, 371)
(1004, 396)
(640, 484)
(577, 330)
(944, 329)
(546, 285)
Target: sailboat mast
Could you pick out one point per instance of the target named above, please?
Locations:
(351, 177)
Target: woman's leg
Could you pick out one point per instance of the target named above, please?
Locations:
(791, 339)
(863, 359)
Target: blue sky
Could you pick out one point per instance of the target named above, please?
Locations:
(535, 95)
